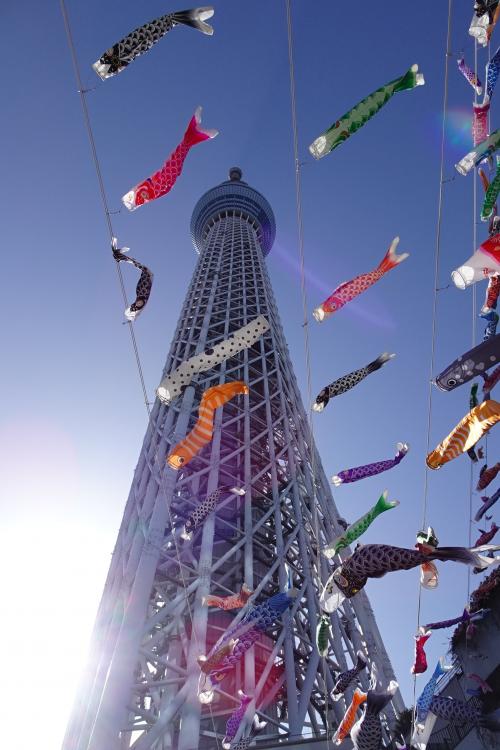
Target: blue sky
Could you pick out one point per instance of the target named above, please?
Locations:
(72, 417)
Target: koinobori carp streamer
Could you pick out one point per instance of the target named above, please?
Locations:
(161, 182)
(346, 382)
(173, 384)
(144, 285)
(202, 432)
(139, 41)
(466, 434)
(355, 530)
(371, 470)
(347, 291)
(356, 117)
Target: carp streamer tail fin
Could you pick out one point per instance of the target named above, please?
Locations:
(196, 18)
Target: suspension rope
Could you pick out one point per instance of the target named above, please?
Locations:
(437, 256)
(305, 325)
(156, 460)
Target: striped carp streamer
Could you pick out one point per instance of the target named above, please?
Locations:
(370, 470)
(470, 76)
(356, 117)
(346, 382)
(323, 635)
(347, 291)
(210, 678)
(347, 722)
(234, 721)
(486, 476)
(355, 530)
(491, 196)
(347, 678)
(466, 434)
(469, 365)
(210, 663)
(199, 515)
(144, 285)
(483, 263)
(366, 734)
(487, 536)
(201, 434)
(139, 41)
(487, 503)
(161, 182)
(480, 122)
(235, 601)
(479, 153)
(419, 665)
(375, 560)
(174, 384)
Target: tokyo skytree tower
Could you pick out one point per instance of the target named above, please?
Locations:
(140, 687)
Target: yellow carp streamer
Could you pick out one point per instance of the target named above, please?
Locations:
(466, 434)
(202, 432)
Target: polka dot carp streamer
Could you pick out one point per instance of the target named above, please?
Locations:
(144, 285)
(139, 41)
(469, 365)
(174, 384)
(202, 432)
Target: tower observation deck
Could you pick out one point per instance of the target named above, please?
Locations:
(140, 688)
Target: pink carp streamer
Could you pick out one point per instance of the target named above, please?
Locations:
(161, 182)
(470, 76)
(351, 289)
(370, 470)
(480, 122)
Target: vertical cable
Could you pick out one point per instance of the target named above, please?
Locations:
(300, 227)
(437, 256)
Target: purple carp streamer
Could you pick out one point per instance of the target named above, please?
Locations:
(470, 76)
(375, 560)
(370, 470)
(346, 382)
(139, 41)
(234, 721)
(487, 503)
(144, 285)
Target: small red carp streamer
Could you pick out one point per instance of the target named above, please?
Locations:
(161, 182)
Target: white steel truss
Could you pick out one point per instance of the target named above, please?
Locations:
(140, 686)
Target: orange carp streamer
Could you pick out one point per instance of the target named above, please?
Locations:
(345, 725)
(202, 432)
(235, 601)
(466, 434)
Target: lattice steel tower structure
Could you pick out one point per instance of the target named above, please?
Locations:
(140, 686)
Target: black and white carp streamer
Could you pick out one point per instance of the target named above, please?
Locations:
(173, 384)
(139, 41)
(143, 288)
